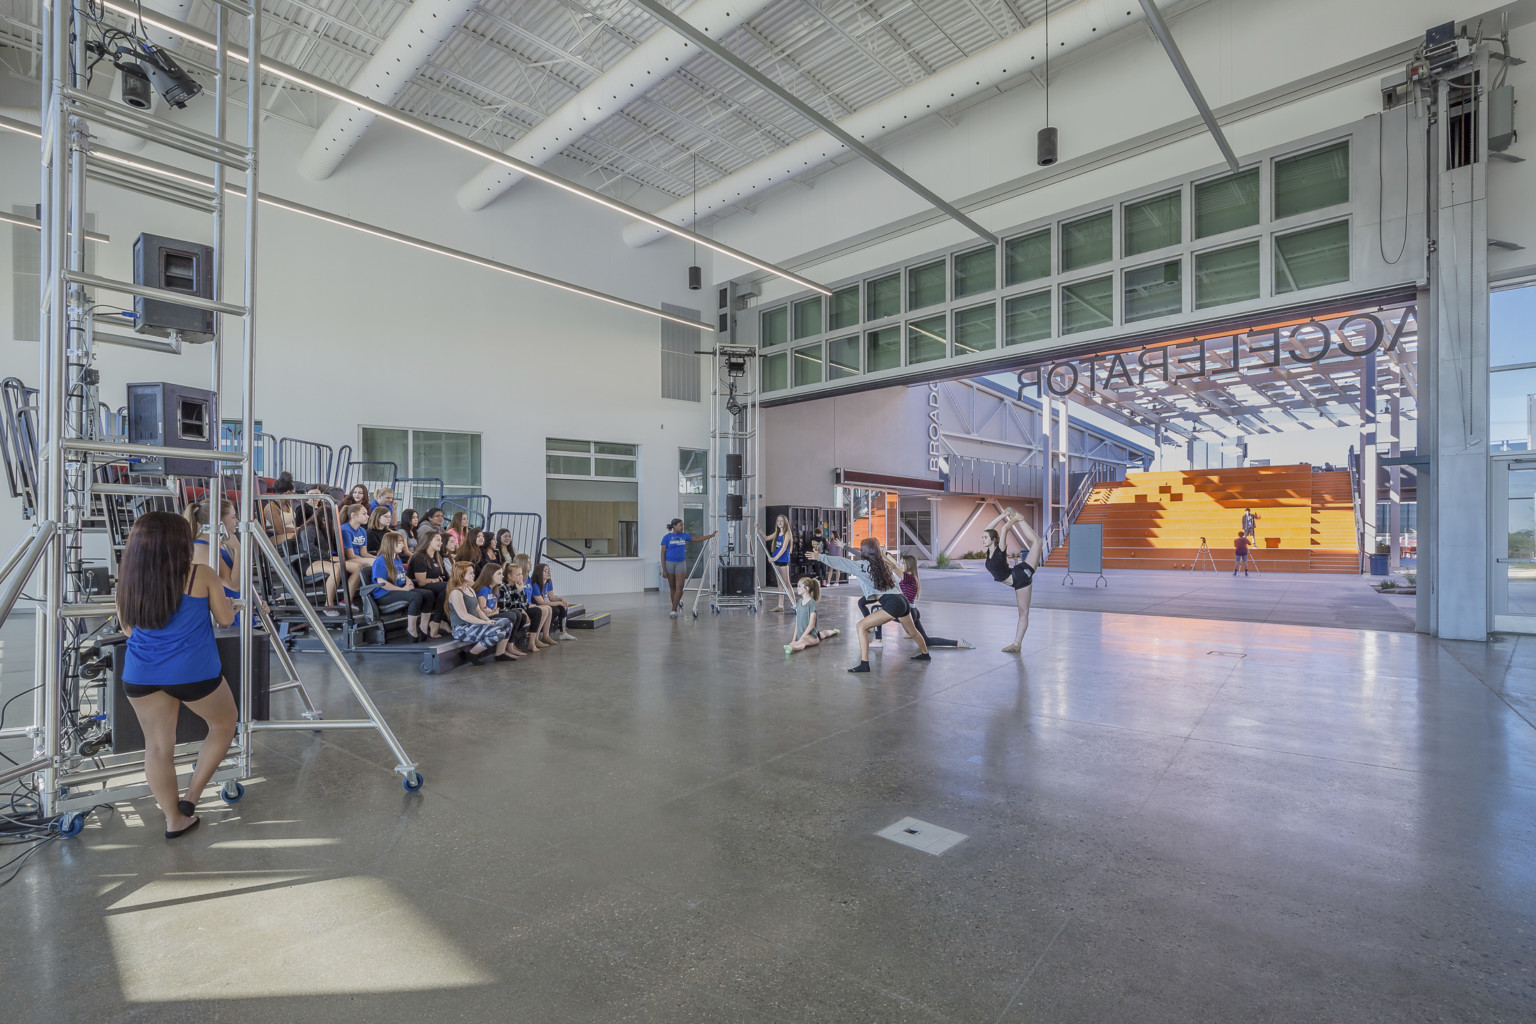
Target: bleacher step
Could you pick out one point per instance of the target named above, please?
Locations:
(589, 620)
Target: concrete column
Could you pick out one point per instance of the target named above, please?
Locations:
(1453, 359)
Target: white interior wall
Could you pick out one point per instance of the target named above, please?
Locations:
(1119, 91)
(355, 330)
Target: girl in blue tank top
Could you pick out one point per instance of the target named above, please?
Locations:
(164, 601)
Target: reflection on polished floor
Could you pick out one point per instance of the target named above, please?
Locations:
(1167, 819)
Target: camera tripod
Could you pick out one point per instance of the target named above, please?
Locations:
(1203, 558)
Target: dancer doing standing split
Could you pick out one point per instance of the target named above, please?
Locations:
(1021, 574)
(880, 586)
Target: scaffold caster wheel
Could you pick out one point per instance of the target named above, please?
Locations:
(695, 613)
(232, 791)
(72, 824)
(715, 608)
(413, 782)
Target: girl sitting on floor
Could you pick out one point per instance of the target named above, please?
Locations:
(807, 593)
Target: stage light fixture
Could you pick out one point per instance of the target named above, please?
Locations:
(136, 87)
(735, 366)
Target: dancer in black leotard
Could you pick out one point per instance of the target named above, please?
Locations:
(1021, 574)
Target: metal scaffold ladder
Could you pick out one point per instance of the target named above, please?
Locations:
(79, 464)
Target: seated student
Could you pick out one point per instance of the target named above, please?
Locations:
(472, 549)
(385, 496)
(503, 551)
(469, 626)
(458, 529)
(427, 572)
(807, 630)
(358, 495)
(196, 515)
(541, 591)
(487, 587)
(317, 541)
(392, 588)
(432, 521)
(406, 526)
(354, 545)
(513, 601)
(380, 522)
(279, 516)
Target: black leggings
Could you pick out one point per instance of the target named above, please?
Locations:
(931, 641)
(416, 602)
(439, 591)
(865, 605)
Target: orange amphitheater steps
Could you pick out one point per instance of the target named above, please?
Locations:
(1155, 520)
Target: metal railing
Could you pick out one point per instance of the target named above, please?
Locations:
(545, 556)
(477, 506)
(383, 474)
(527, 529)
(21, 563)
(308, 462)
(418, 492)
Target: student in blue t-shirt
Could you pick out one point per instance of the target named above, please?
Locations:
(354, 545)
(392, 588)
(674, 561)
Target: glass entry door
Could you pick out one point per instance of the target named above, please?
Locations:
(1514, 545)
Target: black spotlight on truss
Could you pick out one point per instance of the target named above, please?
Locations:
(136, 87)
(173, 84)
(733, 404)
(735, 366)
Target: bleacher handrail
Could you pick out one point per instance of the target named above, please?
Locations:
(349, 480)
(318, 552)
(20, 564)
(308, 462)
(514, 521)
(468, 503)
(545, 556)
(402, 502)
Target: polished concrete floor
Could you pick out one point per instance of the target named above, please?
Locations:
(1168, 819)
(1298, 599)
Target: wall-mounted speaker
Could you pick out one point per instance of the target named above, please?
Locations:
(176, 266)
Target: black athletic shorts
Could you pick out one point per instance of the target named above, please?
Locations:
(1023, 574)
(184, 692)
(894, 605)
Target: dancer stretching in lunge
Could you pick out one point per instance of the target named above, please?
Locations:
(1021, 574)
(880, 586)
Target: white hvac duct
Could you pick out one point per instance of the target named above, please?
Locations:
(400, 57)
(1083, 22)
(636, 73)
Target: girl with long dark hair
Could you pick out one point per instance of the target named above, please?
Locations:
(164, 600)
(1021, 574)
(426, 569)
(504, 551)
(392, 588)
(488, 588)
(879, 584)
(541, 592)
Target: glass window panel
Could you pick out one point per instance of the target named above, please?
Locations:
(1154, 223)
(692, 471)
(1227, 275)
(1153, 291)
(975, 272)
(976, 329)
(1087, 241)
(1312, 180)
(843, 357)
(567, 465)
(807, 363)
(927, 339)
(1511, 407)
(844, 308)
(453, 458)
(807, 317)
(560, 444)
(1512, 326)
(1027, 258)
(882, 296)
(882, 349)
(1227, 204)
(1027, 318)
(608, 448)
(385, 444)
(925, 285)
(614, 467)
(1087, 305)
(776, 372)
(775, 327)
(1313, 257)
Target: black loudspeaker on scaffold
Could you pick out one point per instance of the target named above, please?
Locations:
(733, 467)
(172, 416)
(736, 580)
(733, 507)
(175, 266)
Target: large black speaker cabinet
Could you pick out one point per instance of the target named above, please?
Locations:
(733, 467)
(733, 507)
(736, 580)
(173, 416)
(176, 266)
(126, 734)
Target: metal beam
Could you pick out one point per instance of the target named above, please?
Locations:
(768, 85)
(1160, 29)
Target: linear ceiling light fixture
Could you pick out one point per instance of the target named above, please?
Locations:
(341, 95)
(151, 167)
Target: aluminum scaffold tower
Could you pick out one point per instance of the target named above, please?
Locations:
(70, 777)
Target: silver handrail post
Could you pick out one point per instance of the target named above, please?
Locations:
(253, 109)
